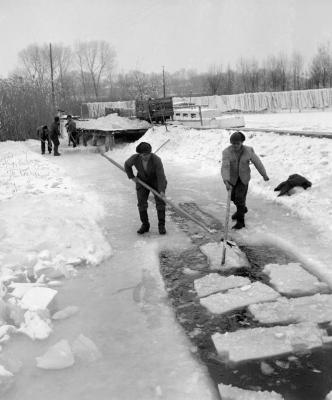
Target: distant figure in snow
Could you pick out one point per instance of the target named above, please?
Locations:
(54, 135)
(151, 171)
(292, 181)
(235, 172)
(44, 136)
(71, 129)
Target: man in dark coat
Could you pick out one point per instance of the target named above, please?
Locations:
(54, 135)
(151, 171)
(235, 172)
(44, 136)
(71, 129)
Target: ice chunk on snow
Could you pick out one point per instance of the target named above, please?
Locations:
(233, 299)
(38, 298)
(65, 313)
(293, 280)
(34, 326)
(4, 372)
(58, 356)
(329, 396)
(20, 288)
(85, 349)
(213, 283)
(235, 258)
(251, 344)
(317, 309)
(229, 392)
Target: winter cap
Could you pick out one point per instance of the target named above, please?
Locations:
(143, 147)
(68, 116)
(237, 137)
(56, 119)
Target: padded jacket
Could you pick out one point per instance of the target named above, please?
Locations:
(154, 176)
(234, 166)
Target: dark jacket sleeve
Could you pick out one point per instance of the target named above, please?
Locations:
(161, 178)
(128, 166)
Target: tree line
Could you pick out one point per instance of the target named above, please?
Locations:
(85, 72)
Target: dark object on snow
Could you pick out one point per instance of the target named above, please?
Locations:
(292, 181)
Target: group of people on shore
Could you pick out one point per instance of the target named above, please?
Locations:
(50, 137)
(235, 173)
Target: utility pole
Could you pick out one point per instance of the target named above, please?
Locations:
(52, 79)
(164, 88)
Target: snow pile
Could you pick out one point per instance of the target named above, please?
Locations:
(281, 155)
(112, 122)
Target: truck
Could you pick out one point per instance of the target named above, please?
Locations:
(155, 110)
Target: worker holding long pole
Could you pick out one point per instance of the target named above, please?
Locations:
(150, 170)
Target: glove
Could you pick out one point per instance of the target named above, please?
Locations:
(162, 194)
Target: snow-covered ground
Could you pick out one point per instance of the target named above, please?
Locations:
(307, 121)
(57, 216)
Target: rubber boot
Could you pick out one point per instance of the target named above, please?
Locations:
(235, 215)
(161, 222)
(241, 210)
(145, 222)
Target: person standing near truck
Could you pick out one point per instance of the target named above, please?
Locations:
(150, 170)
(235, 172)
(54, 135)
(71, 129)
(44, 136)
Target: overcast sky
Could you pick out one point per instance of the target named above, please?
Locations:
(147, 34)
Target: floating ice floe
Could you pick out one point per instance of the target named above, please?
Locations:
(65, 313)
(213, 283)
(293, 280)
(38, 298)
(316, 308)
(229, 392)
(258, 343)
(235, 258)
(233, 299)
(85, 349)
(21, 288)
(58, 356)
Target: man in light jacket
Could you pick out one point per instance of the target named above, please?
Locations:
(150, 170)
(235, 172)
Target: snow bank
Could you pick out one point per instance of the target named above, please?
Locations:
(112, 122)
(281, 155)
(48, 228)
(229, 392)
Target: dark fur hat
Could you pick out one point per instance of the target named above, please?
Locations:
(237, 137)
(143, 147)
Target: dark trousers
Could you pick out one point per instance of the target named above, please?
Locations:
(43, 141)
(239, 196)
(73, 139)
(142, 199)
(55, 145)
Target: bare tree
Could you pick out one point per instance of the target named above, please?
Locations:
(214, 79)
(297, 63)
(96, 60)
(321, 67)
(36, 65)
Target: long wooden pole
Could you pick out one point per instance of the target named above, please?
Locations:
(224, 243)
(165, 199)
(52, 78)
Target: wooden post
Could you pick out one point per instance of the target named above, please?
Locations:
(52, 78)
(200, 114)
